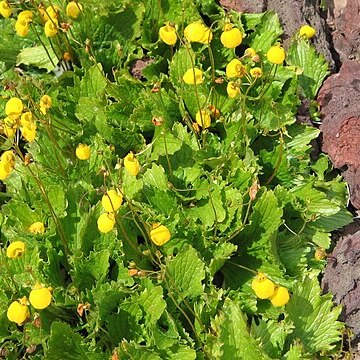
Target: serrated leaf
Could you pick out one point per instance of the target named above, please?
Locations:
(93, 83)
(63, 340)
(38, 56)
(185, 274)
(267, 32)
(233, 337)
(314, 67)
(314, 317)
(153, 303)
(165, 144)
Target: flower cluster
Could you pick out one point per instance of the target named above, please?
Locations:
(111, 202)
(39, 298)
(264, 288)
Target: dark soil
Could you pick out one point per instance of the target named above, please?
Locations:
(338, 38)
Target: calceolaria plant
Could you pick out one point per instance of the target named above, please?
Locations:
(160, 199)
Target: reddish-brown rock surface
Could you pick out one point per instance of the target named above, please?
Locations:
(339, 99)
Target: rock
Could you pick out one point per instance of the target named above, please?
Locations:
(340, 106)
(247, 6)
(342, 278)
(343, 15)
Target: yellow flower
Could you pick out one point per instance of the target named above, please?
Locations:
(9, 131)
(40, 297)
(203, 118)
(160, 234)
(26, 15)
(26, 119)
(195, 32)
(14, 108)
(18, 311)
(15, 249)
(106, 222)
(276, 54)
(231, 37)
(51, 13)
(51, 28)
(112, 200)
(83, 152)
(131, 164)
(73, 9)
(262, 286)
(232, 89)
(320, 254)
(235, 68)
(8, 157)
(250, 52)
(208, 35)
(5, 170)
(5, 9)
(167, 34)
(256, 72)
(45, 104)
(37, 227)
(280, 297)
(22, 27)
(193, 76)
(307, 31)
(29, 132)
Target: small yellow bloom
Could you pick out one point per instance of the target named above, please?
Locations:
(26, 15)
(18, 311)
(307, 31)
(208, 35)
(51, 13)
(106, 222)
(256, 72)
(8, 157)
(15, 249)
(131, 164)
(231, 37)
(37, 228)
(5, 9)
(112, 200)
(280, 297)
(26, 119)
(22, 27)
(40, 297)
(263, 287)
(160, 234)
(14, 108)
(73, 9)
(195, 32)
(203, 118)
(235, 68)
(232, 89)
(83, 152)
(276, 54)
(193, 76)
(167, 34)
(5, 171)
(45, 104)
(29, 132)
(51, 28)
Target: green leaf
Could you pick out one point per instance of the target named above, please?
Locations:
(39, 56)
(233, 337)
(314, 317)
(153, 303)
(63, 340)
(165, 144)
(271, 335)
(267, 32)
(314, 67)
(93, 83)
(185, 273)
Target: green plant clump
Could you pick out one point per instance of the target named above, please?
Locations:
(160, 200)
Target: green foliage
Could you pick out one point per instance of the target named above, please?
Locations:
(241, 196)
